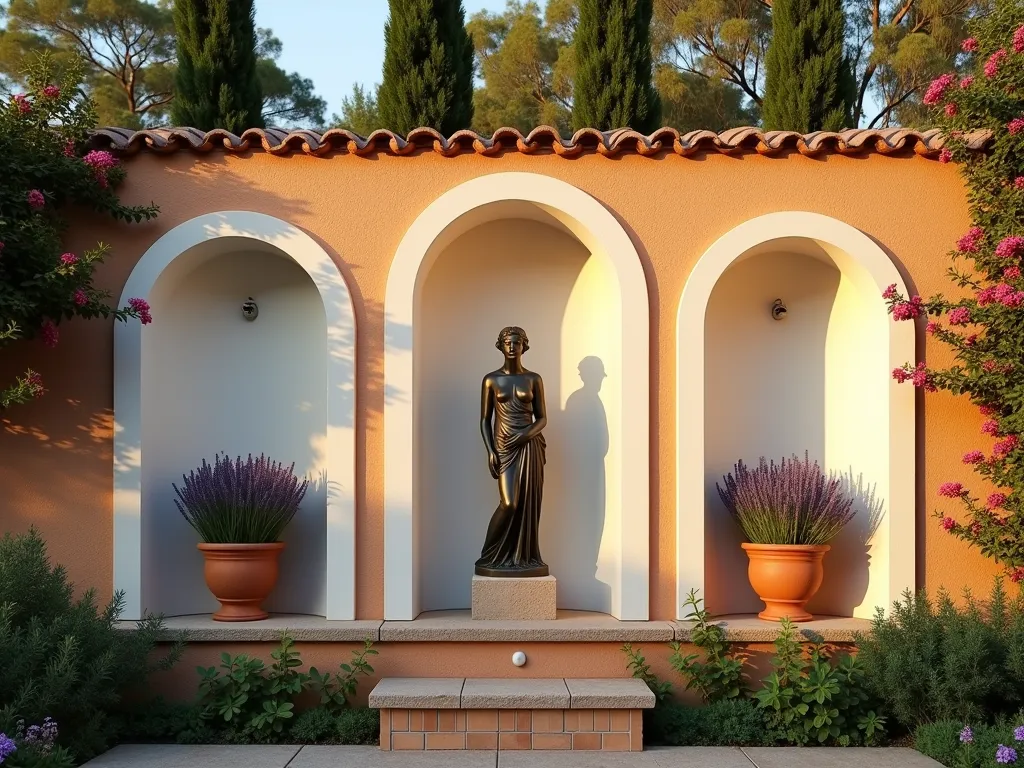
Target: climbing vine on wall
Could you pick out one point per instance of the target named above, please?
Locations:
(986, 328)
(46, 166)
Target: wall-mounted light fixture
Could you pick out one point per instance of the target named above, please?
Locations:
(779, 310)
(249, 310)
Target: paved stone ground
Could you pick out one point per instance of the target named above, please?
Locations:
(174, 756)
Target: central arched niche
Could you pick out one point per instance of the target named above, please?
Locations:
(214, 382)
(534, 274)
(530, 250)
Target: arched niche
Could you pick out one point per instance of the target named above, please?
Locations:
(529, 250)
(201, 379)
(818, 381)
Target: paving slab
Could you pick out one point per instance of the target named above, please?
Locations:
(581, 759)
(837, 757)
(372, 757)
(624, 693)
(503, 693)
(417, 693)
(188, 756)
(698, 757)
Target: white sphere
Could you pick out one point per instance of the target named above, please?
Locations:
(519, 658)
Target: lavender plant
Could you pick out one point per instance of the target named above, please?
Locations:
(790, 503)
(240, 502)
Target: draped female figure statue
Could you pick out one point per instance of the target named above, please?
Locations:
(514, 398)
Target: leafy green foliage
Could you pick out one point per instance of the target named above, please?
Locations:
(716, 672)
(217, 84)
(809, 86)
(641, 670)
(810, 699)
(247, 701)
(428, 67)
(929, 662)
(359, 725)
(359, 112)
(984, 328)
(951, 743)
(43, 135)
(63, 657)
(613, 86)
(728, 722)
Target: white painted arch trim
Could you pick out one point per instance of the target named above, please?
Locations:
(340, 442)
(456, 211)
(864, 261)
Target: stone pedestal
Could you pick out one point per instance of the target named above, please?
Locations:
(500, 598)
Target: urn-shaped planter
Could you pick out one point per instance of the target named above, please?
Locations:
(785, 577)
(241, 576)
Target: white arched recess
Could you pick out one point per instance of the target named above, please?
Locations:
(471, 204)
(200, 238)
(890, 447)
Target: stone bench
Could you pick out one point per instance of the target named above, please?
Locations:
(503, 714)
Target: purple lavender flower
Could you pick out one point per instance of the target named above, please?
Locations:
(966, 735)
(7, 747)
(1006, 754)
(1018, 733)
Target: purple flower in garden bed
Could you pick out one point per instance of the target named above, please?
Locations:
(7, 747)
(1006, 754)
(966, 735)
(1018, 733)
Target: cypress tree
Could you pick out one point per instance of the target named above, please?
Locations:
(809, 85)
(613, 87)
(217, 84)
(428, 67)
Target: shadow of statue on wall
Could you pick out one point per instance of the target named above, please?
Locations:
(585, 415)
(847, 565)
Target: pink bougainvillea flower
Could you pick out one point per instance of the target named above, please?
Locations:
(945, 156)
(141, 306)
(36, 199)
(974, 457)
(1014, 299)
(933, 327)
(50, 333)
(986, 410)
(68, 259)
(951, 110)
(1018, 39)
(69, 148)
(922, 377)
(889, 292)
(970, 341)
(959, 316)
(951, 490)
(1015, 126)
(990, 365)
(996, 500)
(969, 242)
(1011, 273)
(99, 158)
(1005, 445)
(1018, 183)
(24, 105)
(80, 298)
(948, 524)
(1010, 247)
(970, 45)
(975, 528)
(51, 91)
(900, 374)
(35, 383)
(992, 65)
(990, 427)
(967, 81)
(1017, 574)
(907, 310)
(938, 87)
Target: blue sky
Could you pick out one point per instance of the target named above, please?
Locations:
(336, 43)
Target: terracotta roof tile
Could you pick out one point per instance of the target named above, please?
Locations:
(885, 141)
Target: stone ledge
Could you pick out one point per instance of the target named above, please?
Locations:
(747, 628)
(201, 628)
(417, 693)
(499, 693)
(568, 627)
(597, 693)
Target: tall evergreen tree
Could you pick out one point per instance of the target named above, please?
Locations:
(428, 67)
(613, 86)
(809, 85)
(217, 82)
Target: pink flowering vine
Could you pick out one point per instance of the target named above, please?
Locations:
(945, 156)
(973, 457)
(141, 306)
(68, 259)
(1011, 273)
(1015, 126)
(907, 310)
(1018, 183)
(951, 110)
(966, 82)
(24, 105)
(938, 87)
(948, 524)
(36, 199)
(993, 63)
(960, 316)
(51, 91)
(970, 45)
(1018, 39)
(79, 298)
(951, 490)
(1010, 247)
(967, 244)
(996, 500)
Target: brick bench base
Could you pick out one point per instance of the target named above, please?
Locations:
(618, 730)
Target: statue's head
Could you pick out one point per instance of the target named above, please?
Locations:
(511, 340)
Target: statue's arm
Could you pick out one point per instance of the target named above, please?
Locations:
(486, 414)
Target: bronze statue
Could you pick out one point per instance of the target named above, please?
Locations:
(514, 397)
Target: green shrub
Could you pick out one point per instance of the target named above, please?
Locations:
(939, 741)
(929, 662)
(159, 721)
(359, 725)
(315, 726)
(62, 657)
(951, 743)
(717, 672)
(729, 722)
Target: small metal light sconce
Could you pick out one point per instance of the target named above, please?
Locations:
(249, 310)
(779, 310)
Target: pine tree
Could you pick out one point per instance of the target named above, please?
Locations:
(613, 87)
(809, 85)
(217, 84)
(428, 67)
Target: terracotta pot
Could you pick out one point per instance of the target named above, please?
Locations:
(241, 576)
(785, 577)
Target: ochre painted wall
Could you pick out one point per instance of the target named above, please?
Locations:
(55, 454)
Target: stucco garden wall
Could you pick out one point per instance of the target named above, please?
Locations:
(56, 455)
